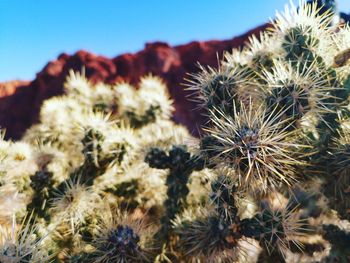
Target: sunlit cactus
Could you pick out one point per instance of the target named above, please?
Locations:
(89, 145)
(261, 52)
(74, 203)
(276, 228)
(257, 147)
(281, 141)
(148, 104)
(121, 238)
(219, 88)
(109, 177)
(304, 93)
(21, 243)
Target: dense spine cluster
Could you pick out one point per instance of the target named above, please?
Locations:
(82, 176)
(280, 139)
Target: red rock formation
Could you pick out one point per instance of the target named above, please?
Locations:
(20, 101)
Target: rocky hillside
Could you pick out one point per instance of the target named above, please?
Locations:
(20, 101)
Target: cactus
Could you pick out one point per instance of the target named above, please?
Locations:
(87, 152)
(107, 176)
(181, 164)
(285, 139)
(120, 238)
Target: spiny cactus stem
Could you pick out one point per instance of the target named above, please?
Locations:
(181, 164)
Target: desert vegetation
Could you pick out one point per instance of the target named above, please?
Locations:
(107, 176)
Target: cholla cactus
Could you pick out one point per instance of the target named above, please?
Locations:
(121, 238)
(267, 182)
(87, 152)
(22, 244)
(255, 145)
(181, 165)
(277, 138)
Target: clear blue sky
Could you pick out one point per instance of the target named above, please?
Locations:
(32, 32)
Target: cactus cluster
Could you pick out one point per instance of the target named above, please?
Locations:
(106, 175)
(277, 140)
(77, 187)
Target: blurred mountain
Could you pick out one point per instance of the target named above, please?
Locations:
(20, 101)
